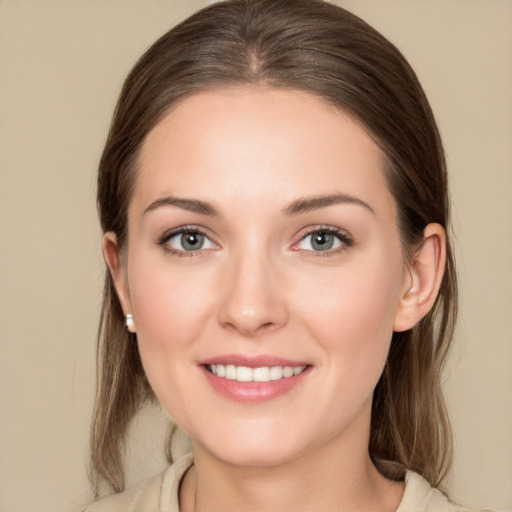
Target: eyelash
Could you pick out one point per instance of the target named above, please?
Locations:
(342, 236)
(164, 239)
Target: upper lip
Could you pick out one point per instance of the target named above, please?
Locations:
(255, 361)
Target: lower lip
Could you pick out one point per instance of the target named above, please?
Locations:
(253, 392)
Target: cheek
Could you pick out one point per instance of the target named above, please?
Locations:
(351, 315)
(170, 310)
(354, 302)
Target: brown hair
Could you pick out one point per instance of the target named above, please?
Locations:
(312, 46)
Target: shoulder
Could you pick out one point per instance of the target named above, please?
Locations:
(419, 496)
(157, 494)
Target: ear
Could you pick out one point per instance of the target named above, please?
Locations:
(426, 274)
(117, 271)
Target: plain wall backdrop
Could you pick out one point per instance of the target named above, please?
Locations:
(61, 67)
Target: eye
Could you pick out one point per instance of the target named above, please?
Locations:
(322, 240)
(188, 241)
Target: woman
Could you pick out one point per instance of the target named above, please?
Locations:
(274, 204)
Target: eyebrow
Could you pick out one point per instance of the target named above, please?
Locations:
(308, 204)
(301, 205)
(191, 205)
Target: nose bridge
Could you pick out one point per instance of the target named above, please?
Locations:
(252, 299)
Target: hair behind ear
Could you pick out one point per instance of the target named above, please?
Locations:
(410, 423)
(121, 389)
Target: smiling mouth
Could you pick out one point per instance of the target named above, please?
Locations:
(260, 374)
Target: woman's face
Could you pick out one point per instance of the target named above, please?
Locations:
(263, 244)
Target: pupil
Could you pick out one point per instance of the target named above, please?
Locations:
(191, 241)
(322, 241)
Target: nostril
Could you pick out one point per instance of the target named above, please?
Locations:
(249, 329)
(251, 307)
(266, 326)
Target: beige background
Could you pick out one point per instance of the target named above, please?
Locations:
(61, 67)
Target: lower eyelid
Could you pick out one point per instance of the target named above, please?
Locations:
(343, 240)
(165, 239)
(341, 236)
(336, 245)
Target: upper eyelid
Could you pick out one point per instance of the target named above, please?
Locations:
(343, 234)
(163, 241)
(183, 229)
(304, 232)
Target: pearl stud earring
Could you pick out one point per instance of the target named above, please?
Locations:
(129, 323)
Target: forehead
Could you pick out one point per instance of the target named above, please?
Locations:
(259, 143)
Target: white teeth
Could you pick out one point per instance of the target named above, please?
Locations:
(262, 374)
(298, 369)
(288, 372)
(276, 372)
(231, 372)
(244, 374)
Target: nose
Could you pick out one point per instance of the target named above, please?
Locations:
(253, 296)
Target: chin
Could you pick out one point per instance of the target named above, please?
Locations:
(253, 445)
(256, 456)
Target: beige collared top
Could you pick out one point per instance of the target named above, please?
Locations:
(160, 494)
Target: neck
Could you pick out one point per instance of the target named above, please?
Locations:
(339, 475)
